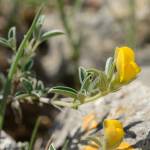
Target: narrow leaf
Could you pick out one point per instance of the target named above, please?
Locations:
(51, 147)
(38, 26)
(4, 42)
(103, 85)
(109, 67)
(82, 74)
(27, 85)
(12, 38)
(49, 34)
(86, 82)
(12, 33)
(66, 91)
(28, 66)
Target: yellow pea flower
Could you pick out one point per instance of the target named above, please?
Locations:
(122, 146)
(127, 69)
(89, 122)
(113, 134)
(88, 147)
(125, 146)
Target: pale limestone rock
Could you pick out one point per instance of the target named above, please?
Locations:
(131, 105)
(6, 142)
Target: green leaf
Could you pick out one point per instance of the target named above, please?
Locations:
(103, 82)
(65, 145)
(27, 85)
(49, 34)
(12, 37)
(40, 21)
(63, 90)
(82, 74)
(37, 30)
(51, 147)
(93, 87)
(109, 68)
(4, 42)
(40, 85)
(12, 32)
(28, 66)
(87, 81)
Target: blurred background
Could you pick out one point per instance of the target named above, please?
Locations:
(93, 29)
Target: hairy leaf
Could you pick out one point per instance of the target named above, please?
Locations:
(49, 34)
(63, 90)
(4, 42)
(51, 147)
(82, 74)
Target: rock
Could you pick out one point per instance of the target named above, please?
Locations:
(6, 142)
(101, 32)
(130, 105)
(141, 8)
(144, 76)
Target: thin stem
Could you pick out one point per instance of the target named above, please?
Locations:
(63, 104)
(78, 4)
(104, 146)
(75, 104)
(34, 133)
(67, 27)
(131, 37)
(75, 43)
(93, 98)
(7, 88)
(35, 46)
(65, 146)
(23, 96)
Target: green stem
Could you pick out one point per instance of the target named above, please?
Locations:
(76, 105)
(35, 46)
(77, 6)
(95, 97)
(75, 42)
(104, 146)
(63, 104)
(7, 88)
(131, 37)
(23, 96)
(34, 133)
(67, 27)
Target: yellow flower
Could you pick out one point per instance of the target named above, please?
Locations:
(89, 122)
(122, 146)
(113, 133)
(127, 69)
(125, 146)
(88, 147)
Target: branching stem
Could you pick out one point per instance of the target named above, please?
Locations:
(12, 71)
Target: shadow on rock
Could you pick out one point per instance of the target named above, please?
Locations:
(143, 144)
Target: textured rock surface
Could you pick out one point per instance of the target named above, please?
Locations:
(144, 76)
(131, 105)
(6, 142)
